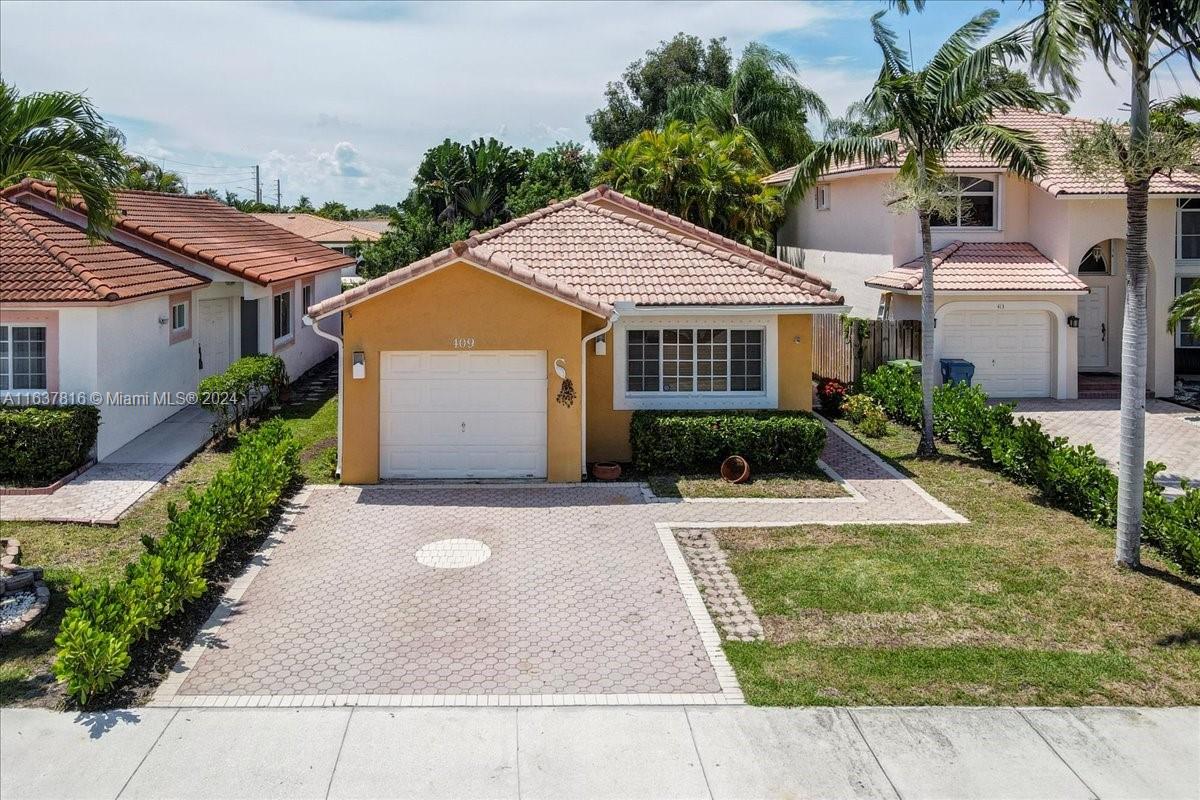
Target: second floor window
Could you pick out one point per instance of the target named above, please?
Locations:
(1189, 228)
(976, 207)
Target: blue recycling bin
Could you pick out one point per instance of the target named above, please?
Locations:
(957, 370)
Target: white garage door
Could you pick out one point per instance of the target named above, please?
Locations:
(478, 414)
(1010, 349)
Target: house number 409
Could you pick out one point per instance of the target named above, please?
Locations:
(463, 342)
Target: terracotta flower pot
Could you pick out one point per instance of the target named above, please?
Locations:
(606, 471)
(735, 469)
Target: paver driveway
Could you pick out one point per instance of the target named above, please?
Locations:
(583, 597)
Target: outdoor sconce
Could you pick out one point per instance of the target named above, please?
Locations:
(162, 319)
(601, 347)
(358, 361)
(560, 368)
(1072, 321)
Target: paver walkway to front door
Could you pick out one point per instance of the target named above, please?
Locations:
(496, 595)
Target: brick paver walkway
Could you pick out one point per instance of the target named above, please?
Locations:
(1172, 431)
(585, 596)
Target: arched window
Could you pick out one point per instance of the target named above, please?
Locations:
(1096, 261)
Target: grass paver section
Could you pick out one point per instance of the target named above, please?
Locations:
(816, 484)
(1021, 606)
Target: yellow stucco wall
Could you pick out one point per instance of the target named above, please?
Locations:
(795, 362)
(427, 314)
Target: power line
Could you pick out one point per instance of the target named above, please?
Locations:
(192, 164)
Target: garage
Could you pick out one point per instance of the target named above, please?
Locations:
(462, 414)
(1010, 348)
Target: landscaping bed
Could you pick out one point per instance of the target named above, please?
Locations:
(769, 486)
(1020, 606)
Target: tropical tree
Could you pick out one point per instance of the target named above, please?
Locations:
(1139, 35)
(711, 178)
(331, 209)
(142, 173)
(471, 181)
(945, 107)
(303, 205)
(764, 98)
(60, 137)
(562, 171)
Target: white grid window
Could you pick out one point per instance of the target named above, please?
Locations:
(694, 360)
(23, 357)
(179, 317)
(306, 297)
(283, 315)
(976, 206)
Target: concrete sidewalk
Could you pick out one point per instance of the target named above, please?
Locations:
(630, 752)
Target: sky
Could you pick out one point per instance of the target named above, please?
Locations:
(339, 100)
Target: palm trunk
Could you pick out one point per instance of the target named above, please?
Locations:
(1131, 473)
(927, 447)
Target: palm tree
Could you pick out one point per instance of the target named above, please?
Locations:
(59, 137)
(144, 174)
(764, 97)
(946, 106)
(1142, 35)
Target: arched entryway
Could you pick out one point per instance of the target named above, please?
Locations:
(1102, 268)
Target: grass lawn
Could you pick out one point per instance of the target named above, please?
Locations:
(1021, 606)
(91, 552)
(815, 484)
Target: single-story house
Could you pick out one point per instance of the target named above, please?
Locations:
(344, 237)
(523, 352)
(180, 288)
(1029, 277)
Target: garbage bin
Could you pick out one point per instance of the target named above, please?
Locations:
(956, 370)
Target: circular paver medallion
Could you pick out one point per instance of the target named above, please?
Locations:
(454, 553)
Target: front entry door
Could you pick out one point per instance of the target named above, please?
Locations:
(213, 339)
(1093, 329)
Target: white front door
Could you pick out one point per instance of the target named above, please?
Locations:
(448, 414)
(1093, 329)
(214, 337)
(1010, 349)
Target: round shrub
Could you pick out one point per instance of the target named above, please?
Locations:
(40, 444)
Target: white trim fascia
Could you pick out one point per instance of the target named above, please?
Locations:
(987, 292)
(629, 309)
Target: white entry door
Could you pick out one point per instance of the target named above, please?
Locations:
(1010, 349)
(447, 414)
(1093, 329)
(214, 336)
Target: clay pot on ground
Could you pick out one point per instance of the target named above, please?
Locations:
(735, 469)
(606, 471)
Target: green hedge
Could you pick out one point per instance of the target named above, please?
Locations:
(682, 441)
(40, 444)
(1070, 477)
(246, 383)
(106, 618)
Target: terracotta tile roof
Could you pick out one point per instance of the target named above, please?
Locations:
(43, 259)
(325, 231)
(983, 267)
(1060, 178)
(210, 232)
(603, 248)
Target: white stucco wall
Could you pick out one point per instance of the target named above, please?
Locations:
(307, 349)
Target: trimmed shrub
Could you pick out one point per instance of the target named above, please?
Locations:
(683, 441)
(866, 414)
(106, 618)
(898, 390)
(40, 444)
(245, 385)
(1172, 526)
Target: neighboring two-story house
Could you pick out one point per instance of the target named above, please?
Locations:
(1029, 279)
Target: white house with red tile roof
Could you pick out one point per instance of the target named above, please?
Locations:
(1029, 283)
(179, 289)
(344, 237)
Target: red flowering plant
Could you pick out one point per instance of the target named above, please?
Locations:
(831, 392)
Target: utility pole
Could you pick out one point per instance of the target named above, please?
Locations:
(257, 186)
(278, 196)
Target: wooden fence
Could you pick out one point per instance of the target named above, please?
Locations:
(848, 352)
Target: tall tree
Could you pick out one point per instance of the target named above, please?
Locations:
(710, 178)
(1139, 35)
(470, 181)
(562, 171)
(946, 106)
(638, 101)
(60, 137)
(764, 97)
(142, 173)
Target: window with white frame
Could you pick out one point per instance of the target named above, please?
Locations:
(179, 317)
(283, 315)
(23, 357)
(823, 192)
(976, 204)
(1188, 242)
(694, 361)
(1184, 338)
(306, 297)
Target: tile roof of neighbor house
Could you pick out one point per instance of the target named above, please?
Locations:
(983, 267)
(602, 248)
(326, 231)
(210, 232)
(1060, 178)
(46, 260)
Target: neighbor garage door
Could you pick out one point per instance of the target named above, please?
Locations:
(1010, 349)
(478, 414)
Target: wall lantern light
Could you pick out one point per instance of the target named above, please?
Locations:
(358, 361)
(1072, 321)
(601, 347)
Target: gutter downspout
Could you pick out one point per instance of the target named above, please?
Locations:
(582, 391)
(312, 323)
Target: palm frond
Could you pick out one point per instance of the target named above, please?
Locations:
(870, 150)
(895, 61)
(1017, 151)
